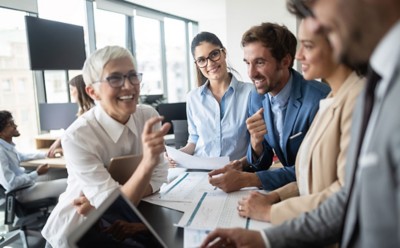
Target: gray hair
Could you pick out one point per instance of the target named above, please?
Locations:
(95, 63)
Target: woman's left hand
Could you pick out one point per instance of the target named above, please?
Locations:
(82, 205)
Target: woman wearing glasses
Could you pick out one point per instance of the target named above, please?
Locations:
(217, 109)
(116, 126)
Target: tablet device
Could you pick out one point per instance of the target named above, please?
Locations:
(116, 223)
(121, 168)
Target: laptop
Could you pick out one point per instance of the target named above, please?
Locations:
(116, 223)
(121, 168)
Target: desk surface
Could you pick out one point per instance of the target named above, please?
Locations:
(52, 162)
(163, 220)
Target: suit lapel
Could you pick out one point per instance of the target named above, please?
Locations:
(292, 110)
(341, 96)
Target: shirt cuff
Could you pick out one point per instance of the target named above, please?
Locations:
(266, 240)
(33, 175)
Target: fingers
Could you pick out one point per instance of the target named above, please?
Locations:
(217, 172)
(148, 125)
(256, 116)
(153, 140)
(215, 238)
(236, 165)
(256, 124)
(171, 162)
(78, 201)
(50, 154)
(216, 180)
(82, 205)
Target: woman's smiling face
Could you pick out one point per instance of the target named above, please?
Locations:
(119, 103)
(314, 53)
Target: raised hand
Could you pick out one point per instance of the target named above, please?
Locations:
(153, 141)
(257, 129)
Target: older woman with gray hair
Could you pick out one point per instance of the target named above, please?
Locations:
(116, 126)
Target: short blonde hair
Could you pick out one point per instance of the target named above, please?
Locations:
(95, 63)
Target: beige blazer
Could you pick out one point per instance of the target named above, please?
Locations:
(326, 155)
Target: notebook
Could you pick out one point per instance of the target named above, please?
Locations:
(122, 168)
(116, 223)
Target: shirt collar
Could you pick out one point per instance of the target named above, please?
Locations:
(233, 85)
(7, 145)
(283, 96)
(385, 56)
(113, 128)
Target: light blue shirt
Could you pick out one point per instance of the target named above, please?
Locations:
(12, 176)
(219, 130)
(278, 108)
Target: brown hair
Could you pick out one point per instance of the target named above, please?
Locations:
(278, 39)
(85, 102)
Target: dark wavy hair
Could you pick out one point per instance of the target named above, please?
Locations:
(5, 117)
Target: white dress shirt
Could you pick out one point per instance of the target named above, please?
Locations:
(89, 144)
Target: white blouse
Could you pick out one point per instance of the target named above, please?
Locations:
(89, 144)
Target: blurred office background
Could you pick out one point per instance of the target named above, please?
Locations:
(158, 32)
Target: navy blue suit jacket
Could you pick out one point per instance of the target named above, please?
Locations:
(302, 106)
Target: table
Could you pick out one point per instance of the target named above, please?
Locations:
(44, 141)
(52, 162)
(162, 220)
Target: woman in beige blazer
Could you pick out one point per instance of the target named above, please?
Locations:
(321, 158)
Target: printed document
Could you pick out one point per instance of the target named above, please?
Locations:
(192, 162)
(219, 209)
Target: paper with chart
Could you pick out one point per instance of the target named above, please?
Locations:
(218, 209)
(192, 162)
(181, 192)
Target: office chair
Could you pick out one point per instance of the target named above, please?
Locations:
(180, 132)
(31, 216)
(172, 111)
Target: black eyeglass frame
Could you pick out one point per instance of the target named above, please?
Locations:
(219, 50)
(135, 78)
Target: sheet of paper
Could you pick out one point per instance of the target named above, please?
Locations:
(184, 188)
(218, 209)
(179, 206)
(192, 238)
(192, 162)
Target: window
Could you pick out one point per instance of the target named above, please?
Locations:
(177, 73)
(14, 74)
(159, 41)
(55, 84)
(110, 28)
(148, 54)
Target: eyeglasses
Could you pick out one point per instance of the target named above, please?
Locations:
(214, 56)
(117, 80)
